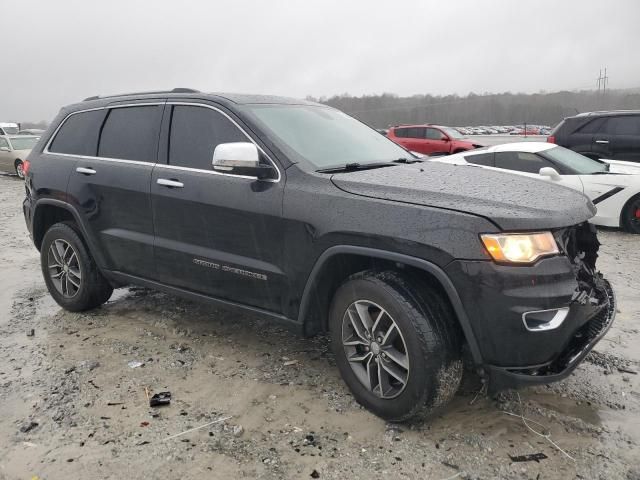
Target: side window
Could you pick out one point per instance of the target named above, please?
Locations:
(79, 134)
(626, 125)
(434, 134)
(521, 161)
(485, 159)
(400, 132)
(131, 133)
(195, 133)
(415, 132)
(594, 126)
(4, 143)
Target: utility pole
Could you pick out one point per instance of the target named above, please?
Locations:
(602, 85)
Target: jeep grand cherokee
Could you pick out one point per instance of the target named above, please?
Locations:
(299, 213)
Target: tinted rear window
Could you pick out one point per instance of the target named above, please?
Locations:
(594, 126)
(485, 159)
(79, 134)
(131, 133)
(196, 132)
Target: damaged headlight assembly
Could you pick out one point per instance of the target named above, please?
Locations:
(519, 248)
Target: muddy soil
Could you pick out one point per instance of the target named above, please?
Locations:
(72, 407)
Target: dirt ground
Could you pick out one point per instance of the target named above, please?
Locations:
(72, 407)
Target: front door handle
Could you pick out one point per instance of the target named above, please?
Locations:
(86, 171)
(602, 141)
(165, 182)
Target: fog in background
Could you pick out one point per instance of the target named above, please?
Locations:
(58, 52)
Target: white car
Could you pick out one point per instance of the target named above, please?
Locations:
(613, 186)
(13, 151)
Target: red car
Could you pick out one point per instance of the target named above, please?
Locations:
(430, 139)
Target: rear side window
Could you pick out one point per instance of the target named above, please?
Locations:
(521, 161)
(594, 126)
(196, 132)
(400, 132)
(485, 159)
(79, 134)
(416, 132)
(131, 133)
(626, 125)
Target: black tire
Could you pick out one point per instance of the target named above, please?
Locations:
(18, 165)
(429, 329)
(93, 289)
(630, 218)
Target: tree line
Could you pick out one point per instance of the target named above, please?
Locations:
(382, 111)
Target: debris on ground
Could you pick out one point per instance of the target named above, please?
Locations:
(27, 427)
(160, 399)
(31, 332)
(531, 457)
(135, 364)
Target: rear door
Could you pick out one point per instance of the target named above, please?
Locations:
(620, 138)
(111, 188)
(216, 234)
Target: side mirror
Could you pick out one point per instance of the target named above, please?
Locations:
(445, 139)
(552, 173)
(5, 149)
(240, 158)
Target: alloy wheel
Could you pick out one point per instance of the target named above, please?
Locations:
(20, 169)
(375, 349)
(64, 268)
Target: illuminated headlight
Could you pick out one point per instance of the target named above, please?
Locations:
(519, 247)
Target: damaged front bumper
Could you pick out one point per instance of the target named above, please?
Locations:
(534, 324)
(578, 346)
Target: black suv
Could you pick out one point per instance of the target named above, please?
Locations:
(613, 135)
(299, 213)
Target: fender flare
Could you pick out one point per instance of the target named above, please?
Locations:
(95, 252)
(419, 263)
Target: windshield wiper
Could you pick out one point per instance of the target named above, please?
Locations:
(353, 167)
(407, 160)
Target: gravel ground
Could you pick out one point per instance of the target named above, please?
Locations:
(72, 407)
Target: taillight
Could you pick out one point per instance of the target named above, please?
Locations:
(551, 139)
(25, 166)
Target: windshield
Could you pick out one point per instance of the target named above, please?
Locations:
(10, 130)
(452, 132)
(574, 161)
(326, 137)
(26, 143)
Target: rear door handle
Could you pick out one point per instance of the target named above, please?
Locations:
(86, 171)
(165, 182)
(602, 141)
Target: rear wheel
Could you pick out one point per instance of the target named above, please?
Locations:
(396, 343)
(71, 275)
(630, 217)
(19, 166)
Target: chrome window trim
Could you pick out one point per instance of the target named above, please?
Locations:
(162, 165)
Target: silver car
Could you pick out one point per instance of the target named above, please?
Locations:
(13, 151)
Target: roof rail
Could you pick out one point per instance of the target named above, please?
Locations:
(175, 90)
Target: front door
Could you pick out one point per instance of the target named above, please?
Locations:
(6, 156)
(216, 234)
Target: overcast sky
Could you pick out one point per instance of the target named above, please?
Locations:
(56, 52)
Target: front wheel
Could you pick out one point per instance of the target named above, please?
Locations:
(397, 344)
(630, 217)
(71, 275)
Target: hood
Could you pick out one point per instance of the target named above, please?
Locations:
(512, 202)
(619, 166)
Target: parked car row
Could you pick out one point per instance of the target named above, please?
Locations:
(505, 129)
